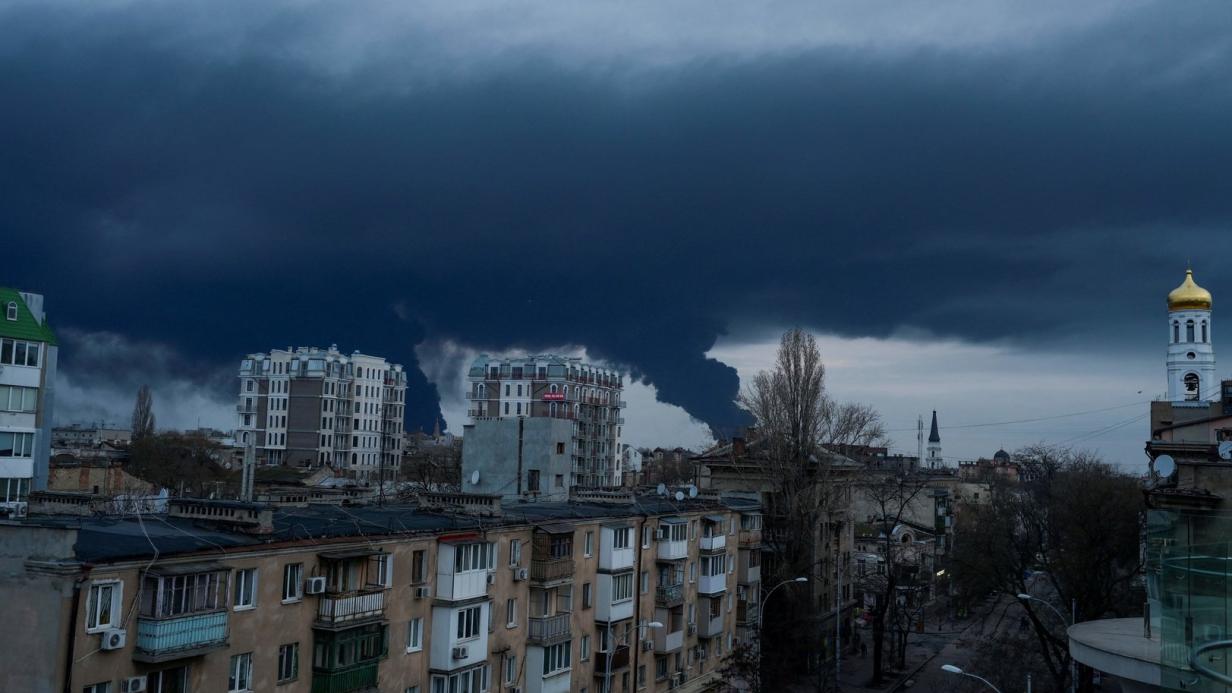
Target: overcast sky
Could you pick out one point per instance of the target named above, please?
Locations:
(980, 206)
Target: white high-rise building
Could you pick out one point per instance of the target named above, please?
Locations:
(1191, 356)
(310, 407)
(28, 354)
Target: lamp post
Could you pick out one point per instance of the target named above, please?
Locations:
(761, 608)
(1073, 674)
(607, 674)
(951, 669)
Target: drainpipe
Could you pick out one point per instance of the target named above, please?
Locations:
(72, 628)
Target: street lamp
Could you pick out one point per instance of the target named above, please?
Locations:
(607, 674)
(761, 608)
(951, 669)
(1073, 674)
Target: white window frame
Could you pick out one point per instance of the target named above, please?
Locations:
(468, 623)
(247, 593)
(589, 549)
(101, 687)
(511, 669)
(584, 649)
(622, 582)
(239, 673)
(515, 553)
(292, 649)
(297, 595)
(557, 658)
(115, 592)
(414, 635)
(511, 612)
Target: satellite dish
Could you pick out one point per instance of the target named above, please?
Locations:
(1165, 465)
(692, 491)
(474, 477)
(679, 495)
(1225, 450)
(661, 490)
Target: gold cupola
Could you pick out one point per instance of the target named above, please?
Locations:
(1189, 296)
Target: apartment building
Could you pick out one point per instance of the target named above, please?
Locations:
(28, 355)
(568, 429)
(607, 593)
(311, 407)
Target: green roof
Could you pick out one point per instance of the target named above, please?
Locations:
(25, 326)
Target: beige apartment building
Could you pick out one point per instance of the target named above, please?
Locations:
(448, 595)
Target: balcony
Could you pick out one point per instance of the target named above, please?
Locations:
(715, 542)
(620, 659)
(747, 574)
(749, 538)
(246, 408)
(351, 680)
(746, 613)
(673, 550)
(710, 626)
(665, 642)
(712, 584)
(551, 570)
(164, 639)
(669, 595)
(347, 609)
(549, 630)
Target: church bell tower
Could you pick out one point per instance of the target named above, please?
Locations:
(1191, 358)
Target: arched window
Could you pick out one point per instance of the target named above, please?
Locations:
(10, 311)
(481, 388)
(552, 388)
(1176, 331)
(1189, 330)
(1204, 340)
(1192, 386)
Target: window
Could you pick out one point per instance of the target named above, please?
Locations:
(468, 622)
(622, 587)
(10, 311)
(1189, 330)
(645, 536)
(16, 444)
(414, 635)
(511, 613)
(584, 648)
(532, 480)
(288, 662)
(103, 609)
(641, 676)
(412, 689)
(511, 669)
(556, 658)
(560, 481)
(104, 687)
(239, 677)
(419, 567)
(692, 571)
(14, 489)
(560, 447)
(18, 353)
(469, 681)
(586, 595)
(622, 538)
(1176, 331)
(590, 544)
(515, 553)
(245, 593)
(173, 680)
(293, 582)
(645, 582)
(14, 398)
(468, 557)
(661, 667)
(714, 565)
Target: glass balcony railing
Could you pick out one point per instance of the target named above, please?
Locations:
(162, 639)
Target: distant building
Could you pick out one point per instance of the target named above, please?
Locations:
(934, 459)
(540, 425)
(311, 407)
(89, 436)
(28, 355)
(1001, 466)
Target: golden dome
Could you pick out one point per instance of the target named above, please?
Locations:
(1189, 296)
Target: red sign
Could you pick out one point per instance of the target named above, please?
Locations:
(553, 396)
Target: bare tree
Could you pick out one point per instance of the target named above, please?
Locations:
(143, 413)
(805, 492)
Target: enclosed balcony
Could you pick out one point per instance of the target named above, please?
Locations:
(346, 661)
(748, 567)
(673, 540)
(548, 630)
(670, 639)
(462, 568)
(352, 680)
(551, 560)
(669, 595)
(614, 597)
(615, 547)
(183, 612)
(710, 618)
(714, 533)
(355, 582)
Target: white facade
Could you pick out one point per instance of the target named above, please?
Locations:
(1191, 356)
(28, 356)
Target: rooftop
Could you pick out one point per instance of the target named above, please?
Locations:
(26, 326)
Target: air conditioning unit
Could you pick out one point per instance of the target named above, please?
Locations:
(461, 652)
(647, 645)
(520, 574)
(423, 592)
(114, 639)
(314, 585)
(491, 578)
(133, 684)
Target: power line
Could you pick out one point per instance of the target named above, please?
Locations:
(1021, 421)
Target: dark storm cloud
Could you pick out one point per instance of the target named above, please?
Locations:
(225, 200)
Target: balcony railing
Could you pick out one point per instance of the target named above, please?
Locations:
(710, 626)
(746, 613)
(749, 538)
(349, 607)
(352, 680)
(246, 408)
(620, 659)
(551, 569)
(549, 629)
(669, 595)
(162, 639)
